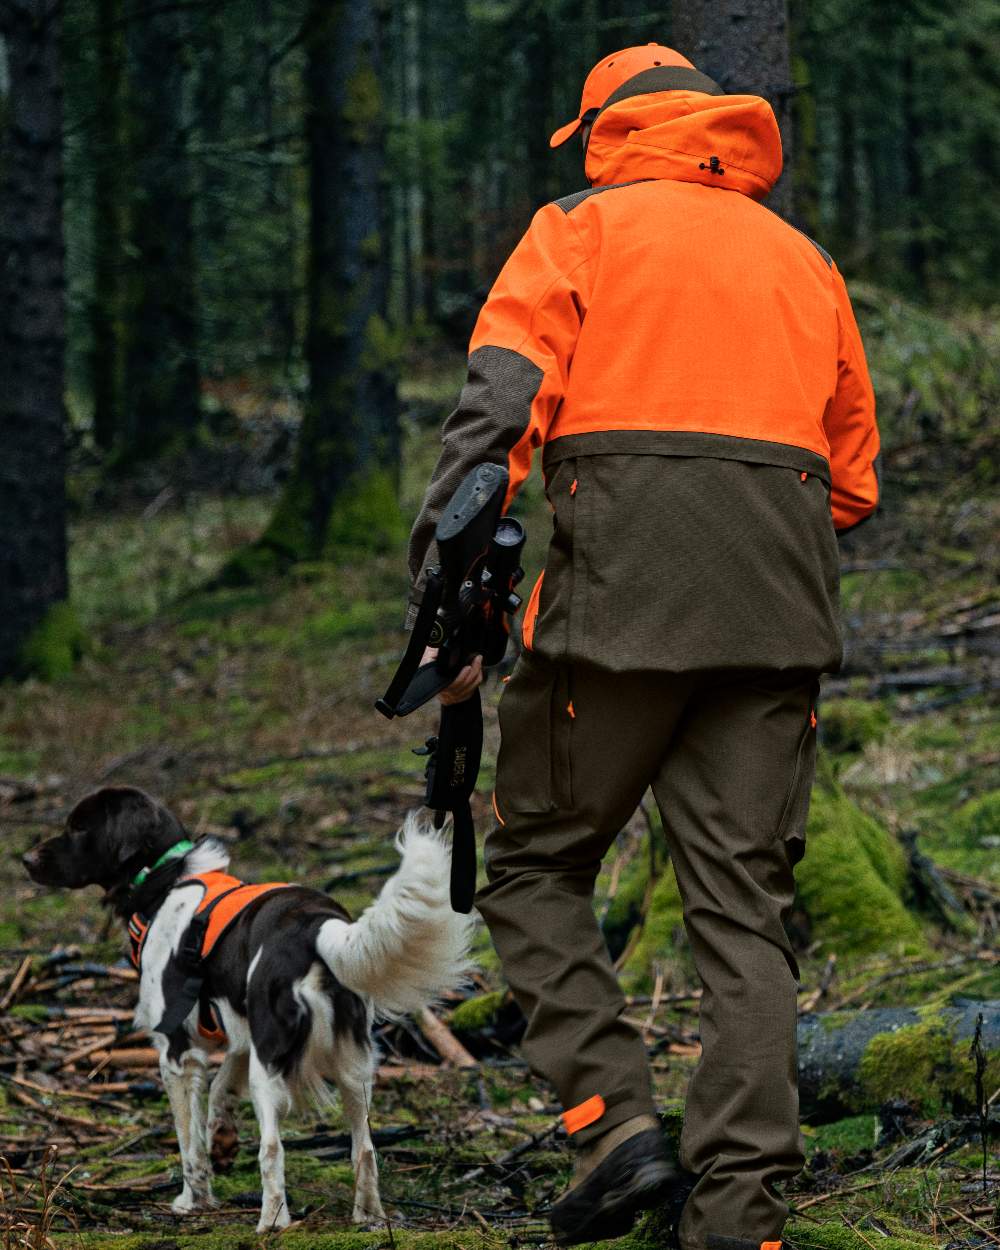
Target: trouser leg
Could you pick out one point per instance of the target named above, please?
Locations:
(579, 746)
(733, 791)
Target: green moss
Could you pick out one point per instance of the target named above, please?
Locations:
(851, 881)
(979, 819)
(923, 1064)
(366, 517)
(662, 935)
(835, 1235)
(35, 1013)
(845, 1137)
(850, 724)
(476, 1012)
(55, 644)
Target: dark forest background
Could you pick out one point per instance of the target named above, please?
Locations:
(295, 197)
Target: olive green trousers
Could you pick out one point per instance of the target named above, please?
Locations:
(730, 757)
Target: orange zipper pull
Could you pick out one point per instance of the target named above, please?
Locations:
(573, 486)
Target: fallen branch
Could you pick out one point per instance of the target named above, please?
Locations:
(444, 1041)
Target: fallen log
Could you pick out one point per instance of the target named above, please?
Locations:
(854, 1061)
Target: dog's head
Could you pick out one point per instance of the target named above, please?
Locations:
(109, 837)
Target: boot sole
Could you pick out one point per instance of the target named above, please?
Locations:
(614, 1212)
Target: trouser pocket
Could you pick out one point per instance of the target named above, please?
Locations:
(536, 714)
(795, 811)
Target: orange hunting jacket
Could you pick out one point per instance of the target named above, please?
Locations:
(690, 366)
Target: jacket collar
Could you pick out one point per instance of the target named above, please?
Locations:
(670, 123)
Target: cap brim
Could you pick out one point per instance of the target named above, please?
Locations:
(564, 133)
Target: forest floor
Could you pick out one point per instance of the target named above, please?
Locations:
(250, 711)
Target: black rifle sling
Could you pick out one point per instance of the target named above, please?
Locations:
(452, 770)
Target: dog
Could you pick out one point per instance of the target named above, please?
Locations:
(278, 972)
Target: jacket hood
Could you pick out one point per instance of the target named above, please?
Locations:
(729, 141)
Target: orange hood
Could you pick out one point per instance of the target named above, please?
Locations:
(674, 134)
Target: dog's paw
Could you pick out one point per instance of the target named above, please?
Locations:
(274, 1221)
(223, 1146)
(187, 1201)
(369, 1224)
(370, 1217)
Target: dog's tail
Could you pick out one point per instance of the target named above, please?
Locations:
(408, 947)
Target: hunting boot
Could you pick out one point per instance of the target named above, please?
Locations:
(622, 1172)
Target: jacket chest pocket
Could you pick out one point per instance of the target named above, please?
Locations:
(536, 717)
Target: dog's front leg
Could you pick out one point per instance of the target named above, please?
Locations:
(184, 1081)
(271, 1100)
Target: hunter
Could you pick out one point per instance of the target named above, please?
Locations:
(689, 365)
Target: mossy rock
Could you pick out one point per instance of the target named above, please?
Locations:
(852, 881)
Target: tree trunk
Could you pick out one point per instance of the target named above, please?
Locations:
(743, 45)
(161, 367)
(847, 178)
(913, 138)
(109, 226)
(32, 329)
(211, 210)
(342, 490)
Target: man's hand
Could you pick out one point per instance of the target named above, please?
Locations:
(466, 680)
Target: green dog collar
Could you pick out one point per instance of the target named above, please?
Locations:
(174, 852)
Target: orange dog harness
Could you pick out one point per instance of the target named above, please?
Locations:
(223, 900)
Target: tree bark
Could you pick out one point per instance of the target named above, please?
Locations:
(32, 328)
(161, 366)
(342, 487)
(743, 45)
(109, 227)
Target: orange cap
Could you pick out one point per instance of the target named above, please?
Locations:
(608, 75)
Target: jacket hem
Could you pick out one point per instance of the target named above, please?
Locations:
(684, 443)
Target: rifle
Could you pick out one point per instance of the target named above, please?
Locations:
(464, 612)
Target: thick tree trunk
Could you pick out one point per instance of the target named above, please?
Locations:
(342, 488)
(743, 45)
(32, 328)
(161, 367)
(109, 226)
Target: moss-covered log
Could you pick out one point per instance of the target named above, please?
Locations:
(853, 1061)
